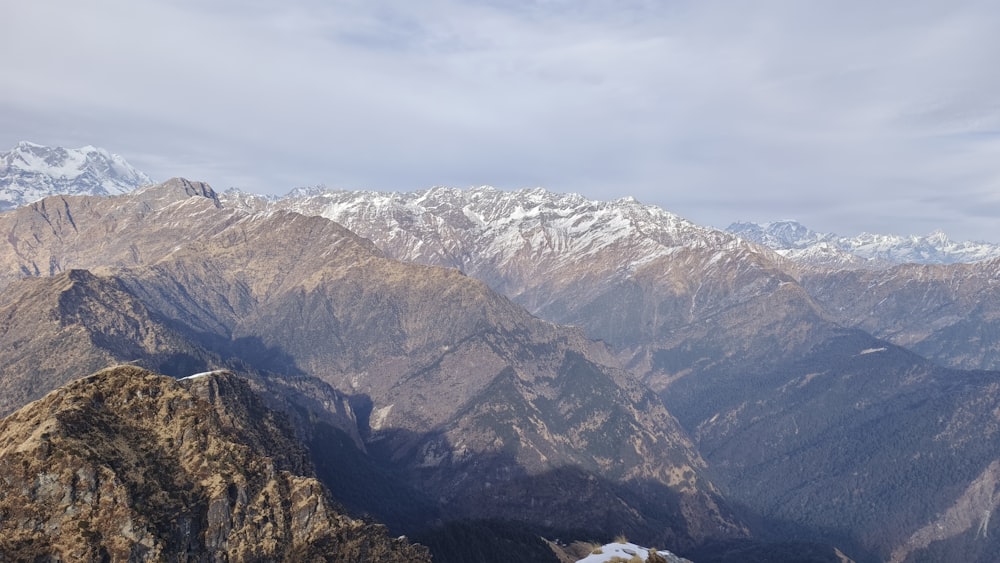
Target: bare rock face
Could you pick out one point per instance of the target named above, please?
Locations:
(128, 465)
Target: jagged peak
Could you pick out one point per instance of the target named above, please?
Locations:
(472, 227)
(306, 191)
(177, 189)
(26, 145)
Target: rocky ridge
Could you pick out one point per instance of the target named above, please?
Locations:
(128, 465)
(641, 279)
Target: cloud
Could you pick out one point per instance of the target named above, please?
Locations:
(847, 115)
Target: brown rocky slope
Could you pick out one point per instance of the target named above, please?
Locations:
(128, 465)
(839, 435)
(466, 396)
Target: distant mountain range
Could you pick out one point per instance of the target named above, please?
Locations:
(467, 407)
(796, 242)
(30, 172)
(522, 364)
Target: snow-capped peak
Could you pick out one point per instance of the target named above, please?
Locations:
(531, 220)
(779, 234)
(29, 172)
(867, 250)
(518, 241)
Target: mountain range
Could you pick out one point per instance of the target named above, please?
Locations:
(30, 172)
(465, 405)
(866, 251)
(743, 345)
(507, 365)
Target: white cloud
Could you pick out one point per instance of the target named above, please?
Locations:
(847, 115)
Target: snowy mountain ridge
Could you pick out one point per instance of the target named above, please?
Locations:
(506, 236)
(801, 244)
(529, 222)
(30, 172)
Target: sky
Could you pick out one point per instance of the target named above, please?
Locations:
(846, 115)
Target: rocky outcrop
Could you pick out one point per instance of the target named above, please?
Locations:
(128, 465)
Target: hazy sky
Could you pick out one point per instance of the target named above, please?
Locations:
(847, 115)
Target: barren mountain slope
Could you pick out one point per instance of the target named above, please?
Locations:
(948, 313)
(845, 437)
(660, 290)
(64, 232)
(125, 464)
(432, 357)
(53, 328)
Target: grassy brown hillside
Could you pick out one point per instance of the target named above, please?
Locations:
(459, 393)
(128, 465)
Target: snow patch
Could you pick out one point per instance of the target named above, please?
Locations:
(203, 374)
(379, 416)
(622, 551)
(872, 351)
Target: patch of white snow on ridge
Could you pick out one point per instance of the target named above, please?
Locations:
(203, 374)
(872, 350)
(379, 416)
(624, 551)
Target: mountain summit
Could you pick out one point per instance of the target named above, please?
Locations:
(30, 172)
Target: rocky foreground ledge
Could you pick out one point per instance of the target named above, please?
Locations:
(125, 464)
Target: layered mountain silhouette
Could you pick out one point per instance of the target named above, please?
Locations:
(463, 404)
(708, 388)
(802, 415)
(869, 251)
